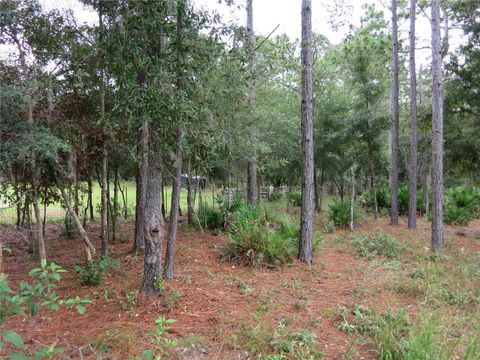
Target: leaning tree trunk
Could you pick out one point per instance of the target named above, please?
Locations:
(139, 239)
(153, 227)
(252, 191)
(306, 217)
(395, 119)
(89, 248)
(437, 131)
(412, 198)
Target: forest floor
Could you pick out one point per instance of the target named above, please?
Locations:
(224, 311)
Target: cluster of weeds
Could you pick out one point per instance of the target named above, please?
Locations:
(266, 342)
(95, 270)
(377, 244)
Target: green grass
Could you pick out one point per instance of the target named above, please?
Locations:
(56, 211)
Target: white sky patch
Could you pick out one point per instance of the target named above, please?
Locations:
(267, 14)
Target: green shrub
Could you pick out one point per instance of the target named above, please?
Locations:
(94, 271)
(339, 212)
(257, 240)
(403, 197)
(377, 244)
(465, 197)
(295, 198)
(275, 196)
(210, 217)
(454, 215)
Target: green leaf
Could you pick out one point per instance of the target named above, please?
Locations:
(43, 263)
(81, 309)
(148, 354)
(17, 356)
(14, 338)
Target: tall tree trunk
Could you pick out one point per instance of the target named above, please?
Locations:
(176, 184)
(395, 119)
(412, 198)
(306, 224)
(104, 176)
(437, 131)
(252, 192)
(153, 227)
(139, 239)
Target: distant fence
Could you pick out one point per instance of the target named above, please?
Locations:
(265, 192)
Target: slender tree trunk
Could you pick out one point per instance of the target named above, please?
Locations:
(153, 227)
(44, 212)
(412, 199)
(352, 201)
(425, 183)
(90, 198)
(139, 240)
(176, 185)
(322, 190)
(315, 185)
(115, 205)
(174, 209)
(252, 193)
(189, 194)
(38, 217)
(164, 214)
(306, 224)
(104, 176)
(437, 131)
(395, 119)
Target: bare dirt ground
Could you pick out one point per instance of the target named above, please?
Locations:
(222, 307)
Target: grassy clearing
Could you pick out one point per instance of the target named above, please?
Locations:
(56, 211)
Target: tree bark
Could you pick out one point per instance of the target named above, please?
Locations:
(412, 199)
(437, 131)
(252, 192)
(307, 209)
(395, 119)
(139, 239)
(153, 226)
